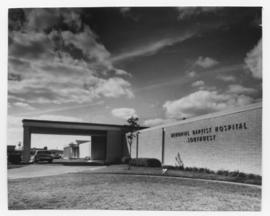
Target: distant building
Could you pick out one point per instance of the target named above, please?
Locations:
(84, 148)
(80, 149)
(71, 151)
(14, 156)
(11, 148)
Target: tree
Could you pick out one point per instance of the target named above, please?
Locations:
(132, 127)
(179, 162)
(19, 146)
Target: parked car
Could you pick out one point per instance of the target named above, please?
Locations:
(56, 156)
(43, 155)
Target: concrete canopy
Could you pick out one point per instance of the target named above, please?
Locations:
(107, 139)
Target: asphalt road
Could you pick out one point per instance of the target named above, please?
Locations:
(38, 170)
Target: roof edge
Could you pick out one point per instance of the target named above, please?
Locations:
(77, 123)
(67, 122)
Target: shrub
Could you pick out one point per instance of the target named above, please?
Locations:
(252, 176)
(234, 174)
(194, 169)
(145, 162)
(254, 179)
(125, 159)
(223, 172)
(242, 175)
(152, 162)
(180, 168)
(188, 169)
(208, 171)
(170, 167)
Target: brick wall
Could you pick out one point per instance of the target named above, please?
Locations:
(230, 141)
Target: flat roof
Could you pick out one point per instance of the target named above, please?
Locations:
(76, 123)
(73, 123)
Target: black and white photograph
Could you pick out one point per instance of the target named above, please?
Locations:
(154, 108)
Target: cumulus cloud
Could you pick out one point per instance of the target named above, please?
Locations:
(57, 118)
(153, 122)
(203, 102)
(206, 62)
(124, 113)
(156, 121)
(122, 72)
(239, 89)
(189, 12)
(112, 87)
(51, 65)
(253, 60)
(192, 74)
(126, 12)
(80, 88)
(86, 42)
(198, 83)
(14, 77)
(43, 19)
(23, 105)
(227, 78)
(29, 46)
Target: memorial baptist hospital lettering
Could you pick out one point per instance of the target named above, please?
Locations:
(226, 140)
(206, 134)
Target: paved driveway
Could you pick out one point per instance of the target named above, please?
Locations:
(37, 170)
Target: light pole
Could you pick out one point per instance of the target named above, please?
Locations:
(137, 144)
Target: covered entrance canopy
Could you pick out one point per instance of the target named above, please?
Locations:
(108, 141)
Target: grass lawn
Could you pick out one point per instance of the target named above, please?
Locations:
(114, 191)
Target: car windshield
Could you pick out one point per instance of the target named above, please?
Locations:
(43, 152)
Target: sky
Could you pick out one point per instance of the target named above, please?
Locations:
(103, 65)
